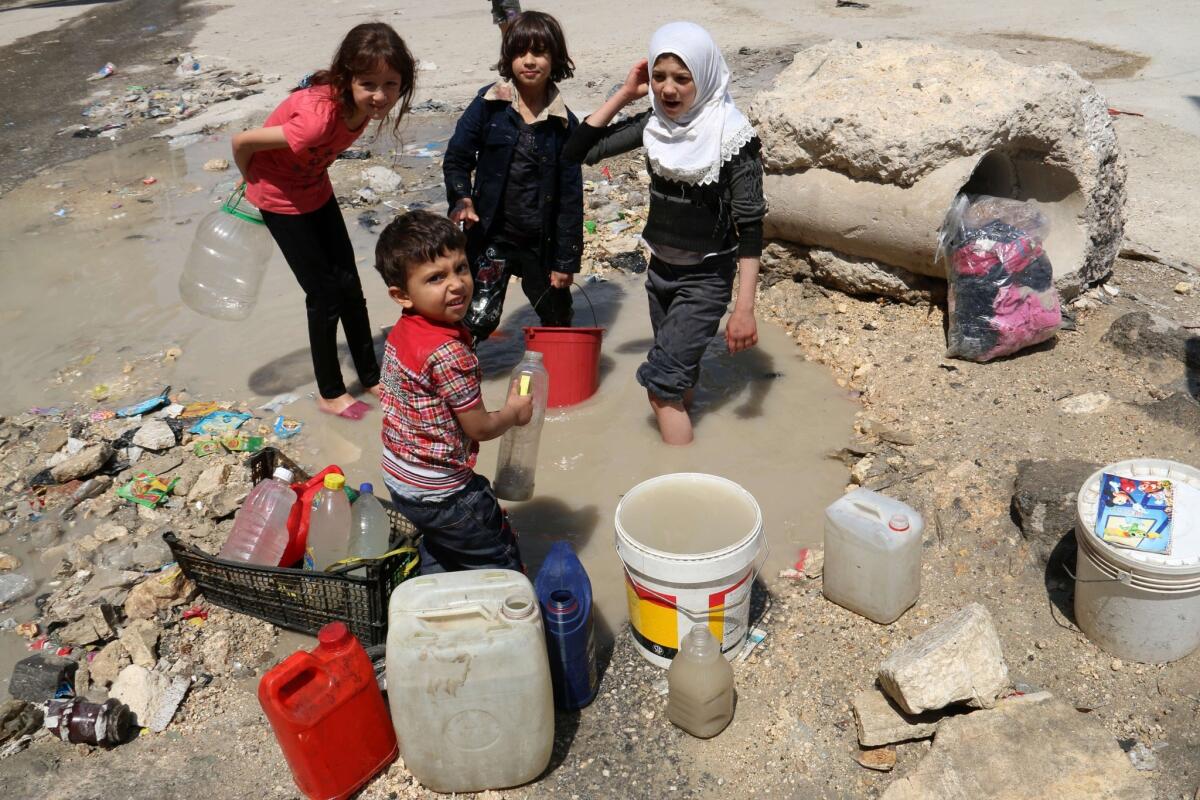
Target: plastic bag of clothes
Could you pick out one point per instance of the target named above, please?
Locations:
(1001, 285)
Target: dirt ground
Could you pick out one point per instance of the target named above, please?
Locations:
(948, 437)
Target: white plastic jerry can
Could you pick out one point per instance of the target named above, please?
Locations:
(469, 680)
(872, 555)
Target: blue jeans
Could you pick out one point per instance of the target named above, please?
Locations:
(467, 530)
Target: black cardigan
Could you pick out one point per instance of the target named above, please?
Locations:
(708, 218)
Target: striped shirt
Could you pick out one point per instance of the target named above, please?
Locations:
(430, 374)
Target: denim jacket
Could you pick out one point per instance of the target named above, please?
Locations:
(483, 144)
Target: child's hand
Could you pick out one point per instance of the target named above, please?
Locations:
(637, 82)
(464, 212)
(741, 332)
(561, 280)
(521, 404)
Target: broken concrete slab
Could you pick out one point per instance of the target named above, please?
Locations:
(209, 483)
(958, 660)
(141, 690)
(82, 464)
(154, 435)
(843, 176)
(1043, 502)
(108, 663)
(880, 721)
(140, 638)
(158, 592)
(1031, 746)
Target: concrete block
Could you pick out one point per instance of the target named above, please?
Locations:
(958, 660)
(880, 721)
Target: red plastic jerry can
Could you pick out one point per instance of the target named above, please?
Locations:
(329, 716)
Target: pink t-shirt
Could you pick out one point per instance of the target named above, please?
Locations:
(294, 180)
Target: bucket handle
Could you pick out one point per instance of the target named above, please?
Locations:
(579, 286)
(1123, 577)
(454, 612)
(232, 205)
(759, 561)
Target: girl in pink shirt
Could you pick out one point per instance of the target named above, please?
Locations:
(285, 165)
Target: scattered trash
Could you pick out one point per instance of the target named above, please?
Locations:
(753, 640)
(286, 427)
(146, 489)
(150, 181)
(429, 150)
(151, 403)
(41, 676)
(1144, 758)
(589, 226)
(1116, 112)
(200, 409)
(242, 443)
(381, 179)
(102, 73)
(80, 722)
(279, 401)
(202, 448)
(218, 422)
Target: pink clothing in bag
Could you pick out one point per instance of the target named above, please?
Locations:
(1021, 320)
(294, 179)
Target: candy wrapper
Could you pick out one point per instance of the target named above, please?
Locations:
(146, 489)
(219, 422)
(286, 427)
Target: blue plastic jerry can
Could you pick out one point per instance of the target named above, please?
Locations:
(565, 594)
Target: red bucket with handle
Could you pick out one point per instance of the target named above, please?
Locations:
(571, 357)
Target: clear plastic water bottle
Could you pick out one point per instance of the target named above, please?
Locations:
(487, 301)
(228, 259)
(260, 531)
(329, 525)
(517, 463)
(370, 529)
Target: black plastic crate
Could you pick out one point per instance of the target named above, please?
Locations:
(298, 599)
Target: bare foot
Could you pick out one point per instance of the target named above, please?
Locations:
(335, 405)
(674, 424)
(376, 390)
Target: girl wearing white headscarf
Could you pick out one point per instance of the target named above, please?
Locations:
(706, 208)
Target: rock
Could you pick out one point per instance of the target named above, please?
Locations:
(17, 719)
(1031, 746)
(109, 531)
(53, 440)
(140, 638)
(882, 759)
(14, 586)
(80, 632)
(880, 721)
(209, 483)
(85, 463)
(850, 108)
(382, 179)
(154, 435)
(141, 690)
(216, 165)
(215, 652)
(108, 663)
(158, 592)
(1043, 502)
(227, 501)
(957, 660)
(1150, 337)
(8, 562)
(847, 274)
(1087, 403)
(1183, 287)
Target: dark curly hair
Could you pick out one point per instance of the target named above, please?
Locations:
(540, 33)
(363, 48)
(417, 237)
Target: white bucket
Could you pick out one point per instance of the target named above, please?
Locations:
(670, 592)
(1136, 605)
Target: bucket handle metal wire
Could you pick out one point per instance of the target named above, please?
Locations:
(579, 286)
(1123, 577)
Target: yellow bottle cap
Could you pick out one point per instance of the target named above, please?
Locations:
(335, 482)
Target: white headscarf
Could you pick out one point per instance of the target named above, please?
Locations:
(712, 131)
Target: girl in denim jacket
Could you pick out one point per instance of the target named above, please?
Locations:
(520, 203)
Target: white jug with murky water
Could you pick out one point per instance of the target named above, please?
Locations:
(516, 464)
(228, 259)
(872, 555)
(469, 680)
(700, 689)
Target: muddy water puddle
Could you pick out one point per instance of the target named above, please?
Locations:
(88, 295)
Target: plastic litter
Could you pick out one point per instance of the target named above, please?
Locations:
(145, 406)
(102, 73)
(286, 427)
(219, 422)
(80, 722)
(146, 489)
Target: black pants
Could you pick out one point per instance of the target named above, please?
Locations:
(467, 530)
(317, 247)
(553, 306)
(686, 306)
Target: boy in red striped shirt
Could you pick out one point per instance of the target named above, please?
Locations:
(433, 412)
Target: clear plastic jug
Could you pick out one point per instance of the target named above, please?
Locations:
(700, 693)
(329, 525)
(370, 528)
(468, 680)
(872, 555)
(516, 465)
(228, 259)
(260, 529)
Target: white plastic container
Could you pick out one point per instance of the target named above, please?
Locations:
(469, 680)
(872, 555)
(516, 462)
(227, 261)
(1141, 606)
(691, 545)
(260, 529)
